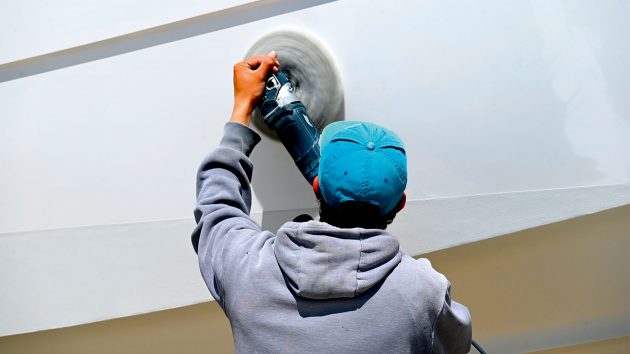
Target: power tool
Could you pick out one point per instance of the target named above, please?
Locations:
(285, 114)
(309, 80)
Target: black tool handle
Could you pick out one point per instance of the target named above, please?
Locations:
(299, 136)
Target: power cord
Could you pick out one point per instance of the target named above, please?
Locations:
(478, 347)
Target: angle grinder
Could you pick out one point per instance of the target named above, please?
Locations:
(284, 113)
(308, 80)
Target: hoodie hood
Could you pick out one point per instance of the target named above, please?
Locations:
(322, 261)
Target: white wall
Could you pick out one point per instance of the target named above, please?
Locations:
(514, 114)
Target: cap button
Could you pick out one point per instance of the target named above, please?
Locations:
(370, 145)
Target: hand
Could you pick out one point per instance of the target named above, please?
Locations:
(249, 84)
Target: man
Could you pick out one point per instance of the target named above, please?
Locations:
(338, 285)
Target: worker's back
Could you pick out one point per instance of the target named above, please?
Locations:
(315, 288)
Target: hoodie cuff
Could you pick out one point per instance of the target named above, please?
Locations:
(239, 137)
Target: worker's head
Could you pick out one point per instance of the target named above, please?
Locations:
(362, 175)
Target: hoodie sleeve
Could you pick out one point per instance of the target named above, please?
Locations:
(223, 204)
(453, 327)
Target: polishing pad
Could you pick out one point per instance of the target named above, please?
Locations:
(312, 72)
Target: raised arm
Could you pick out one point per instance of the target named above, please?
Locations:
(224, 180)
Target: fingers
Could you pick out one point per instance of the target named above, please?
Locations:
(268, 63)
(265, 63)
(274, 55)
(253, 62)
(276, 66)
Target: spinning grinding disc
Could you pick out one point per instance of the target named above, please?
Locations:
(312, 72)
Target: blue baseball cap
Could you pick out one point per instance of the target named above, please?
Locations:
(362, 162)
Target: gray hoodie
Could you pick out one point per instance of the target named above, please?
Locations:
(313, 287)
